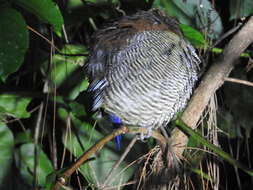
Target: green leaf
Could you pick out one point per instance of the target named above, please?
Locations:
(82, 86)
(14, 105)
(65, 73)
(13, 41)
(173, 10)
(46, 10)
(201, 16)
(25, 162)
(63, 113)
(104, 160)
(6, 149)
(24, 137)
(194, 36)
(103, 1)
(241, 8)
(77, 109)
(74, 4)
(202, 174)
(65, 65)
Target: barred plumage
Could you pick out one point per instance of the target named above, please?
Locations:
(142, 69)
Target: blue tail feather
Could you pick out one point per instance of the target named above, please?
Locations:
(116, 121)
(118, 139)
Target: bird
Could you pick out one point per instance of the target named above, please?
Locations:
(142, 70)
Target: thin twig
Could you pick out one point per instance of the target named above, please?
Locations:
(36, 140)
(54, 143)
(52, 44)
(68, 128)
(133, 162)
(116, 165)
(121, 185)
(123, 130)
(46, 102)
(65, 34)
(228, 33)
(239, 81)
(43, 37)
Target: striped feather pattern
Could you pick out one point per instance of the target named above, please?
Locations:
(149, 80)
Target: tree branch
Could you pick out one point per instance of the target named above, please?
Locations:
(62, 178)
(212, 80)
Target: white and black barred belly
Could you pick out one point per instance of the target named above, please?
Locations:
(149, 80)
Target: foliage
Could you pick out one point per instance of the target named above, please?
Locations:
(201, 15)
(6, 145)
(37, 42)
(45, 10)
(239, 9)
(13, 44)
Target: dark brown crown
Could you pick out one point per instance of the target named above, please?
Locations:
(115, 36)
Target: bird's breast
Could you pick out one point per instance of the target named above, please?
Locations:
(151, 79)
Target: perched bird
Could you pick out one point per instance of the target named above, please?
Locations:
(141, 69)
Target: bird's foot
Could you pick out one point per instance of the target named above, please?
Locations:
(144, 136)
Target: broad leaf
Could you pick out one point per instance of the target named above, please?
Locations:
(66, 73)
(14, 105)
(103, 1)
(6, 150)
(25, 162)
(23, 137)
(46, 10)
(240, 8)
(194, 36)
(13, 41)
(173, 10)
(196, 13)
